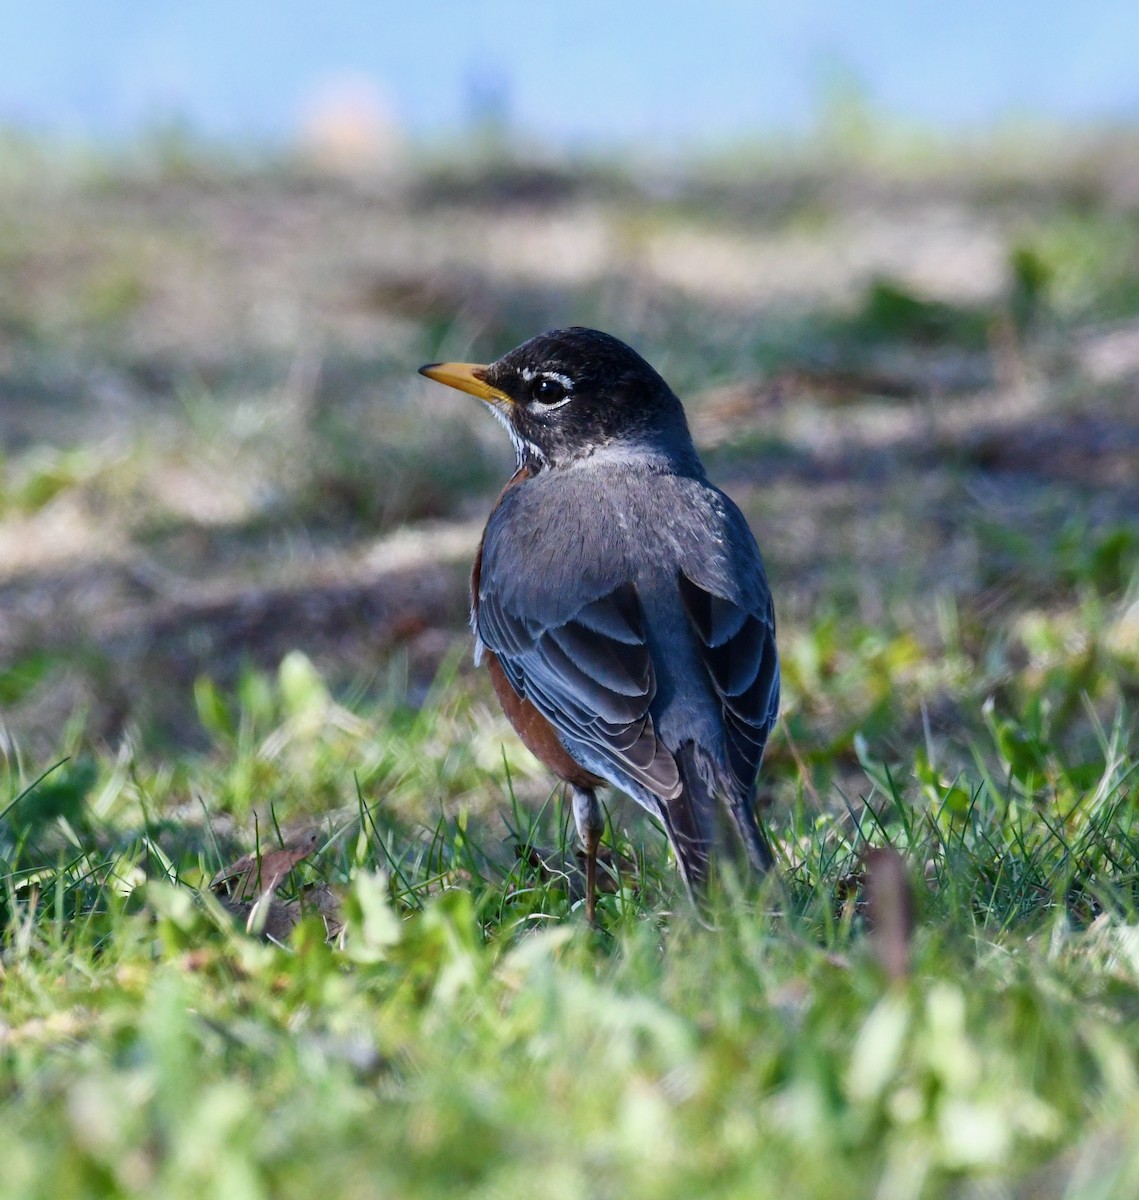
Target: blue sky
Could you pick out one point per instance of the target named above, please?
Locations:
(570, 71)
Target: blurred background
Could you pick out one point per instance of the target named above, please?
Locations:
(588, 74)
(888, 255)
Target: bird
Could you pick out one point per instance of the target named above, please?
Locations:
(619, 600)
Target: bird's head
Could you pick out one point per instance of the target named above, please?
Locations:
(569, 394)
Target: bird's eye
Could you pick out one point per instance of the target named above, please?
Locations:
(548, 391)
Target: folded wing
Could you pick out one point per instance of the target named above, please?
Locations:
(591, 677)
(737, 645)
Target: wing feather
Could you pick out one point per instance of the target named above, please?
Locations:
(737, 644)
(591, 676)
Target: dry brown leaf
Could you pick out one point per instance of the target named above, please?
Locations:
(889, 909)
(272, 918)
(255, 874)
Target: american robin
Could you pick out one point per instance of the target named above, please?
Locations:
(619, 600)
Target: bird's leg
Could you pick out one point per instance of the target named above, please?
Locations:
(587, 817)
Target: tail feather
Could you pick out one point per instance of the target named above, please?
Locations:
(755, 842)
(689, 821)
(694, 817)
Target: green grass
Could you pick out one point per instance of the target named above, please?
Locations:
(467, 1033)
(211, 644)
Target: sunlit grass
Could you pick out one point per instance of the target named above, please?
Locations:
(942, 477)
(465, 1029)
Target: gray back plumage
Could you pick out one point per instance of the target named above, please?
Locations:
(628, 601)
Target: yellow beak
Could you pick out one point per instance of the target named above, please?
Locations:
(467, 377)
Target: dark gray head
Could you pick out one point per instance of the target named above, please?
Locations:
(566, 394)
